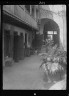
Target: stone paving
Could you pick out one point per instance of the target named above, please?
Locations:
(23, 75)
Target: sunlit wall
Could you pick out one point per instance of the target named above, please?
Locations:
(60, 19)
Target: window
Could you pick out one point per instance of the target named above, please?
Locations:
(50, 32)
(27, 8)
(50, 37)
(55, 32)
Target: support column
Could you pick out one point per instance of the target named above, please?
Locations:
(21, 47)
(30, 9)
(11, 41)
(35, 12)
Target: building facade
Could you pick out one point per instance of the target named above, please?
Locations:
(21, 23)
(53, 21)
(19, 29)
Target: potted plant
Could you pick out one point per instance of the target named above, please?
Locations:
(54, 62)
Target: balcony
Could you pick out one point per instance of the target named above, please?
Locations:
(19, 12)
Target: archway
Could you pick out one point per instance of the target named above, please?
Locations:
(51, 30)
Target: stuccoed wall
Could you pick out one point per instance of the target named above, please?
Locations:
(60, 20)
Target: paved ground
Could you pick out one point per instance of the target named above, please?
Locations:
(24, 75)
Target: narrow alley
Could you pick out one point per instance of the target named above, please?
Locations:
(24, 75)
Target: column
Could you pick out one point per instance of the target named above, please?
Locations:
(30, 9)
(35, 12)
(11, 41)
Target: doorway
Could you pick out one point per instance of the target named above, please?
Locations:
(6, 43)
(51, 31)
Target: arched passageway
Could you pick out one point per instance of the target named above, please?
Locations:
(48, 29)
(51, 30)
